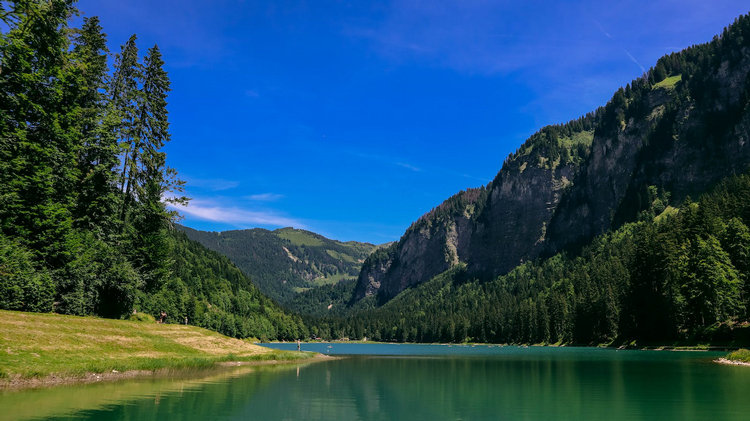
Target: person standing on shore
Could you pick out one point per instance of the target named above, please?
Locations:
(299, 345)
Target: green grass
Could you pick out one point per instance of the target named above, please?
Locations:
(40, 345)
(668, 211)
(341, 256)
(742, 355)
(299, 237)
(668, 83)
(332, 279)
(585, 137)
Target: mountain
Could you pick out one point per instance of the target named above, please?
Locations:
(287, 261)
(213, 293)
(674, 132)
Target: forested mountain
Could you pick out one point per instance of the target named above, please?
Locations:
(84, 185)
(676, 131)
(287, 261)
(678, 275)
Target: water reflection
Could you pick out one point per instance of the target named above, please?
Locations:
(532, 386)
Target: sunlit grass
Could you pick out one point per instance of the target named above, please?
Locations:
(668, 83)
(742, 355)
(39, 345)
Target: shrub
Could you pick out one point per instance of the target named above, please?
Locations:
(142, 317)
(22, 286)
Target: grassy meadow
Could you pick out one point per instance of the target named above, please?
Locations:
(34, 345)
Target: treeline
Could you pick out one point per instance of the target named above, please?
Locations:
(84, 185)
(676, 275)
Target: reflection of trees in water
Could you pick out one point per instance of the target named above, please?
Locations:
(656, 386)
(122, 399)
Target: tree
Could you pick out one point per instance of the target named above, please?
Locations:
(97, 199)
(38, 146)
(711, 286)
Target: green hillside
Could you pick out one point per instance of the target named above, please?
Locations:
(39, 345)
(85, 188)
(286, 262)
(677, 276)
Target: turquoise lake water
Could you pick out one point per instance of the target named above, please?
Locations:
(420, 382)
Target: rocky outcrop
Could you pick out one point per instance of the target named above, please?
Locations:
(676, 135)
(436, 242)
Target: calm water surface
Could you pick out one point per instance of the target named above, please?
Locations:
(421, 382)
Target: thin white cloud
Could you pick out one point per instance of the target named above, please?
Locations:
(213, 184)
(601, 29)
(211, 211)
(265, 197)
(387, 160)
(407, 166)
(630, 56)
(633, 59)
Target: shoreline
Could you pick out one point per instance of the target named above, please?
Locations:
(726, 361)
(53, 380)
(677, 348)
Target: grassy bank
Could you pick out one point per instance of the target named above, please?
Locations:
(38, 346)
(741, 355)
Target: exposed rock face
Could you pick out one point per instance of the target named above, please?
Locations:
(512, 228)
(433, 244)
(569, 183)
(684, 147)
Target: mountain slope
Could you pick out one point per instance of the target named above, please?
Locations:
(674, 132)
(212, 292)
(676, 277)
(287, 261)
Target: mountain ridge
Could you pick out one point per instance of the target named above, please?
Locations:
(677, 130)
(286, 261)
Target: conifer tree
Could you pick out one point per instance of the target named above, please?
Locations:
(125, 95)
(38, 147)
(96, 203)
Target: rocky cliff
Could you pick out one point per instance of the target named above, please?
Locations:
(672, 133)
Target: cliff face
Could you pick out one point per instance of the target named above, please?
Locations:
(512, 228)
(490, 228)
(691, 138)
(675, 132)
(434, 243)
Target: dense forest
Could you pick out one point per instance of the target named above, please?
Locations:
(85, 227)
(676, 275)
(286, 262)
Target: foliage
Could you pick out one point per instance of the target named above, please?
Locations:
(649, 281)
(287, 260)
(84, 185)
(142, 317)
(741, 355)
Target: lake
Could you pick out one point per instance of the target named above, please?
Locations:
(419, 382)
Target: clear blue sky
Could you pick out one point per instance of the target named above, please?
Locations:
(352, 119)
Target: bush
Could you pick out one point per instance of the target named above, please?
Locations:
(142, 317)
(742, 355)
(99, 280)
(22, 286)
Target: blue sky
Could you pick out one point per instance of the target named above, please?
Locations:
(352, 119)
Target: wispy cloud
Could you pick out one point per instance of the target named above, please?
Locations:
(387, 160)
(265, 197)
(630, 56)
(210, 210)
(601, 29)
(213, 184)
(407, 166)
(634, 60)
